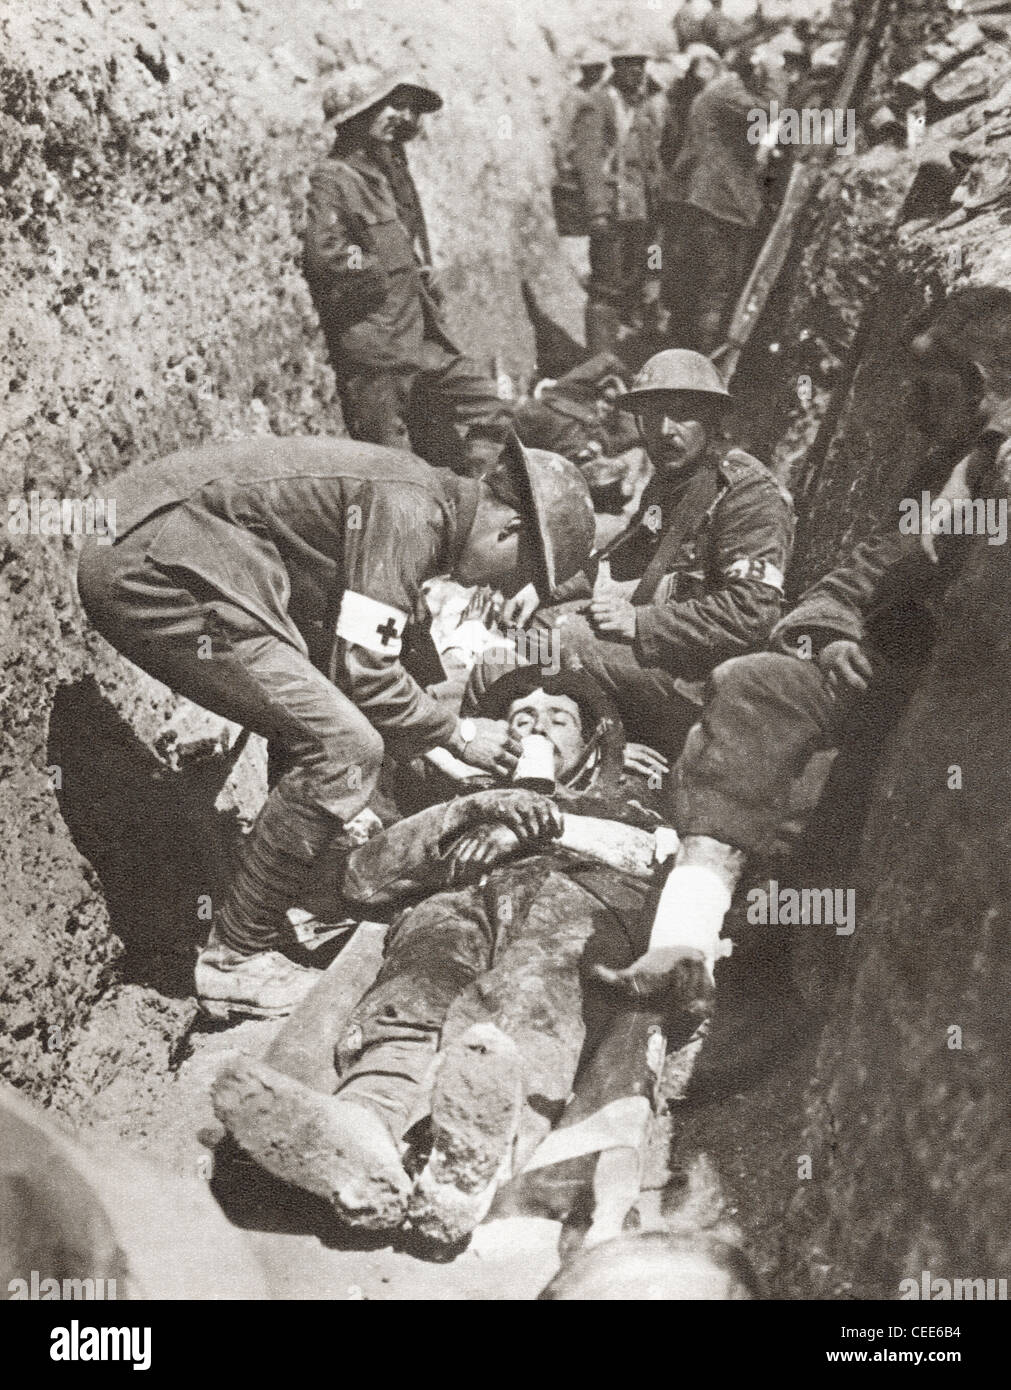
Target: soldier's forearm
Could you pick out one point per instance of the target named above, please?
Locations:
(616, 845)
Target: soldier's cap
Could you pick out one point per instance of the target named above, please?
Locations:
(594, 702)
(550, 491)
(673, 372)
(358, 89)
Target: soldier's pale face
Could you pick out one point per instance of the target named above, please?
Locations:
(398, 120)
(556, 718)
(672, 443)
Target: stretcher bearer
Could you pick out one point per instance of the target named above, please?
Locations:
(277, 582)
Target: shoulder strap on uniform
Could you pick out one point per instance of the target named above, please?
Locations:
(699, 496)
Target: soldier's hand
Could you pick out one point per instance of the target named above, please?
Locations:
(676, 975)
(484, 605)
(601, 223)
(519, 609)
(845, 662)
(639, 757)
(493, 748)
(529, 815)
(610, 613)
(479, 850)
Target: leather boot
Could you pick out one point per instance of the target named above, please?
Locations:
(280, 860)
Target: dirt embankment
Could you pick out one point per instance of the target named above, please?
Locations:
(904, 1116)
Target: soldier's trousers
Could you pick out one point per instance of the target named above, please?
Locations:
(325, 754)
(422, 410)
(766, 717)
(516, 950)
(704, 264)
(619, 268)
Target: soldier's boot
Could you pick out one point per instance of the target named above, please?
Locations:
(241, 971)
(603, 326)
(481, 454)
(265, 985)
(330, 1147)
(476, 1106)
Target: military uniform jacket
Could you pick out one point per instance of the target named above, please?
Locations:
(888, 595)
(615, 152)
(326, 542)
(716, 170)
(363, 272)
(712, 588)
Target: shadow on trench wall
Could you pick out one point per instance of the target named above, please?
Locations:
(154, 836)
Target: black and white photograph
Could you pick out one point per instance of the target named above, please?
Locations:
(505, 668)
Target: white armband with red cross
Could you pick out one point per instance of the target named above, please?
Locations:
(758, 570)
(364, 622)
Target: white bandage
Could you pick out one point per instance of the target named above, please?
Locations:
(691, 910)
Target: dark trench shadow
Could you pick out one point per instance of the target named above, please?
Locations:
(556, 351)
(152, 835)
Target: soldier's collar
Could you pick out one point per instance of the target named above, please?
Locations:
(364, 161)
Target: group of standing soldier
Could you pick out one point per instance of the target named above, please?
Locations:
(665, 184)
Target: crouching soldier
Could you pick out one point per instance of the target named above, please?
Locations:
(368, 264)
(697, 577)
(277, 582)
(521, 894)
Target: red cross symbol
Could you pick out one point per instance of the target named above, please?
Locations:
(388, 630)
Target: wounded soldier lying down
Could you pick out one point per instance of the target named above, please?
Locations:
(488, 997)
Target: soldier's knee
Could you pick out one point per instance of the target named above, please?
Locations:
(763, 682)
(96, 584)
(741, 675)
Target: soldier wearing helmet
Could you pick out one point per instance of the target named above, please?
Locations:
(697, 577)
(402, 379)
(614, 157)
(502, 900)
(277, 582)
(716, 184)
